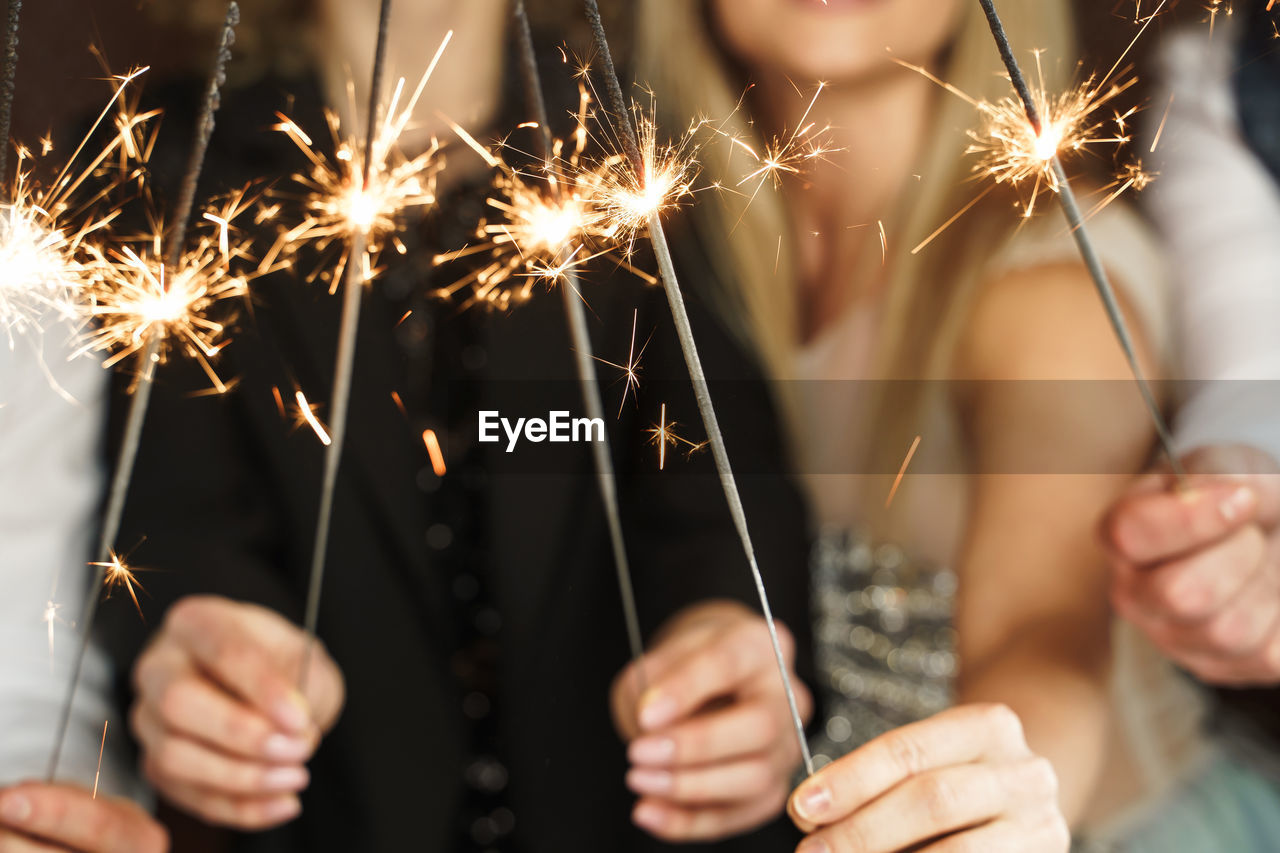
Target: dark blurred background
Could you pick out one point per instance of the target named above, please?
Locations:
(59, 80)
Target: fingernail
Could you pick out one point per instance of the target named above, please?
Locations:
(293, 712)
(648, 816)
(1237, 503)
(813, 803)
(644, 781)
(657, 711)
(15, 808)
(285, 779)
(285, 808)
(813, 845)
(652, 750)
(279, 747)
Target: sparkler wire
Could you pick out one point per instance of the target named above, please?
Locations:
(340, 397)
(1076, 219)
(136, 417)
(589, 382)
(684, 331)
(204, 132)
(9, 82)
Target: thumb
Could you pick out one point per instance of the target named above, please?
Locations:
(1153, 527)
(1244, 464)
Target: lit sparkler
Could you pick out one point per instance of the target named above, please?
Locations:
(559, 219)
(357, 197)
(1038, 129)
(143, 302)
(543, 228)
(155, 310)
(655, 199)
(357, 204)
(646, 179)
(43, 227)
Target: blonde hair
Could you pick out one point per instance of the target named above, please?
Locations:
(928, 293)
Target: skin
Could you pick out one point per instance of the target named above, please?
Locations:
(1198, 569)
(710, 740)
(37, 818)
(1017, 760)
(225, 734)
(464, 87)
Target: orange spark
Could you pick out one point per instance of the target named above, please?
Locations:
(433, 450)
(305, 413)
(901, 472)
(119, 574)
(101, 748)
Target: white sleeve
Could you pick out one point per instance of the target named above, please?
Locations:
(1218, 210)
(52, 412)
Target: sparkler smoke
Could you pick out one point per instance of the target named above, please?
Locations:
(587, 378)
(339, 399)
(680, 315)
(141, 398)
(9, 82)
(1088, 253)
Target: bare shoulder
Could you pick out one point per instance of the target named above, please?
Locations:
(1044, 322)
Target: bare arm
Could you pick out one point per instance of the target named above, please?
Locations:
(1033, 620)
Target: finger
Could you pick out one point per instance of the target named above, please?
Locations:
(190, 705)
(740, 730)
(183, 761)
(325, 689)
(1046, 833)
(1151, 527)
(720, 668)
(960, 735)
(236, 813)
(1260, 668)
(1195, 587)
(1234, 631)
(942, 802)
(221, 643)
(72, 818)
(728, 783)
(632, 682)
(13, 843)
(675, 823)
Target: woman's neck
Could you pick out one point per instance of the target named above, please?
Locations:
(838, 205)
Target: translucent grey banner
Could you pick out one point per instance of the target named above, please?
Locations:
(855, 427)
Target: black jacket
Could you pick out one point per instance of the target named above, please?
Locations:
(490, 589)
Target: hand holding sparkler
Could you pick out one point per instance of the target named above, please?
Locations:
(964, 777)
(62, 817)
(717, 656)
(224, 733)
(1199, 571)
